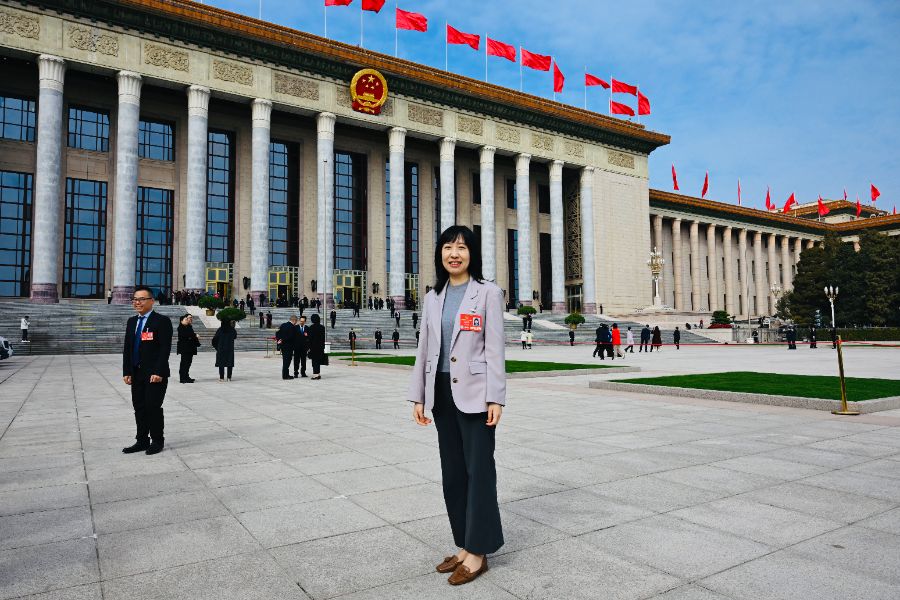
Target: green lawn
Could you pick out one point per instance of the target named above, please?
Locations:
(512, 366)
(804, 386)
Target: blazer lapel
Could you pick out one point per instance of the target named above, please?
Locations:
(436, 314)
(468, 304)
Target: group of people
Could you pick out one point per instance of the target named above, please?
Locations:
(299, 341)
(608, 340)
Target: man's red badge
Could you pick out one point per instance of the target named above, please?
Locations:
(369, 91)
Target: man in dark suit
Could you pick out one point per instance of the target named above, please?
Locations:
(284, 338)
(145, 367)
(301, 347)
(645, 338)
(378, 337)
(396, 337)
(333, 318)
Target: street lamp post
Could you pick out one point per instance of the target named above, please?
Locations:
(831, 293)
(777, 291)
(656, 263)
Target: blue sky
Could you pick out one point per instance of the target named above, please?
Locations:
(800, 95)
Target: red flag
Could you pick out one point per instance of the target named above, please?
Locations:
(455, 36)
(373, 5)
(705, 185)
(412, 21)
(895, 209)
(875, 192)
(674, 178)
(616, 108)
(790, 202)
(558, 79)
(337, 2)
(643, 104)
(591, 80)
(769, 204)
(823, 210)
(845, 194)
(495, 48)
(858, 207)
(739, 192)
(624, 88)
(538, 62)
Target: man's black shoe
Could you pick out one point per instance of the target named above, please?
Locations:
(155, 448)
(138, 447)
(288, 377)
(304, 375)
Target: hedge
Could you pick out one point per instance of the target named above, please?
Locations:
(855, 334)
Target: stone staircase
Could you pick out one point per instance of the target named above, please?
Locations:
(90, 327)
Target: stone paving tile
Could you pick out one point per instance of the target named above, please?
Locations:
(770, 467)
(38, 478)
(154, 511)
(269, 494)
(247, 473)
(884, 488)
(820, 502)
(879, 468)
(40, 461)
(872, 553)
(887, 521)
(690, 592)
(433, 586)
(404, 504)
(31, 529)
(333, 462)
(47, 567)
(82, 592)
(372, 479)
(576, 511)
(224, 458)
(846, 446)
(815, 456)
(45, 498)
(715, 479)
(653, 493)
(577, 473)
(143, 486)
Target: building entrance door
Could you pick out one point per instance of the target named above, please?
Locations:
(219, 280)
(573, 298)
(350, 288)
(283, 285)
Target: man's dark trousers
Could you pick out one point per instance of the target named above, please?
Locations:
(300, 359)
(147, 400)
(286, 355)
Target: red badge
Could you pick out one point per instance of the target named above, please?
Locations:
(146, 336)
(470, 322)
(369, 91)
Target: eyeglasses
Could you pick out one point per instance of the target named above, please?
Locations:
(140, 299)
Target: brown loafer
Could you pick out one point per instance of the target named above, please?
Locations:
(463, 575)
(449, 565)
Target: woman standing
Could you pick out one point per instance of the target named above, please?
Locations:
(316, 345)
(656, 340)
(460, 375)
(188, 342)
(223, 342)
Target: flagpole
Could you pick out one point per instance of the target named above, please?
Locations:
(361, 11)
(610, 95)
(638, 116)
(520, 70)
(585, 87)
(325, 15)
(396, 36)
(446, 48)
(485, 55)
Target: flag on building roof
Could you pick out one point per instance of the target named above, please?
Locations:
(558, 79)
(790, 202)
(623, 88)
(590, 80)
(858, 207)
(823, 210)
(411, 21)
(455, 36)
(495, 48)
(739, 192)
(337, 2)
(643, 104)
(769, 204)
(705, 185)
(538, 62)
(875, 192)
(373, 5)
(617, 108)
(674, 178)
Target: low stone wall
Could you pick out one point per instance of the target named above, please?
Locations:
(524, 375)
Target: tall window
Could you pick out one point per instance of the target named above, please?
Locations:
(156, 140)
(412, 217)
(153, 246)
(511, 198)
(512, 254)
(350, 215)
(476, 188)
(284, 205)
(88, 129)
(85, 256)
(17, 118)
(543, 198)
(220, 197)
(15, 233)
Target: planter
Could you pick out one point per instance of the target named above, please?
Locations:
(210, 312)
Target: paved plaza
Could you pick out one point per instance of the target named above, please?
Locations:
(272, 489)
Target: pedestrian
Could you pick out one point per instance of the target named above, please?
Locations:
(356, 309)
(23, 326)
(524, 338)
(378, 336)
(701, 323)
(397, 318)
(629, 339)
(284, 340)
(524, 322)
(262, 319)
(530, 319)
(571, 337)
(109, 296)
(188, 342)
(529, 338)
(833, 338)
(598, 340)
(605, 342)
(241, 305)
(223, 342)
(269, 319)
(415, 320)
(301, 348)
(251, 305)
(617, 340)
(417, 337)
(352, 337)
(812, 337)
(465, 388)
(145, 367)
(333, 317)
(645, 338)
(396, 337)
(316, 341)
(791, 338)
(676, 337)
(656, 339)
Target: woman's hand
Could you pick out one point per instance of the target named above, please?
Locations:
(493, 414)
(419, 414)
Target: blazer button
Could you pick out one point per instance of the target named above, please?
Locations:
(455, 380)
(452, 359)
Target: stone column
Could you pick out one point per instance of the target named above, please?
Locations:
(677, 273)
(714, 301)
(773, 272)
(325, 213)
(786, 274)
(759, 274)
(259, 205)
(658, 244)
(488, 217)
(729, 270)
(589, 282)
(127, 124)
(557, 253)
(195, 242)
(810, 244)
(523, 223)
(798, 248)
(448, 183)
(397, 276)
(745, 271)
(696, 304)
(47, 188)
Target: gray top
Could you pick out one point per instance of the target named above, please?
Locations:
(452, 299)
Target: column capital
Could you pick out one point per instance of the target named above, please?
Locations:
(556, 168)
(676, 221)
(587, 176)
(728, 229)
(325, 125)
(486, 155)
(757, 235)
(198, 101)
(397, 139)
(522, 162)
(710, 227)
(448, 147)
(51, 71)
(262, 112)
(129, 87)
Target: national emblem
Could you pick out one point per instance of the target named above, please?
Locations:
(369, 91)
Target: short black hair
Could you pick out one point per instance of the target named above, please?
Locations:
(451, 234)
(143, 288)
(315, 319)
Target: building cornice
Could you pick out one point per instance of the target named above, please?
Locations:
(224, 31)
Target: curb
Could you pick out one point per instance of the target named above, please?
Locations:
(522, 375)
(865, 407)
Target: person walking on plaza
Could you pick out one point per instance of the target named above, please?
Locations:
(791, 335)
(251, 305)
(571, 337)
(460, 375)
(397, 318)
(529, 338)
(301, 348)
(396, 337)
(833, 338)
(676, 337)
(524, 338)
(598, 340)
(378, 336)
(145, 367)
(24, 324)
(223, 342)
(268, 319)
(332, 317)
(188, 342)
(109, 296)
(262, 319)
(629, 339)
(352, 337)
(316, 341)
(415, 320)
(812, 337)
(284, 339)
(617, 340)
(656, 339)
(645, 339)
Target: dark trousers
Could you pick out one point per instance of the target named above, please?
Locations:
(147, 400)
(184, 369)
(316, 363)
(300, 360)
(378, 344)
(24, 335)
(396, 344)
(467, 469)
(286, 355)
(222, 372)
(644, 346)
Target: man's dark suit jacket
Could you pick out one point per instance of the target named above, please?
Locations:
(287, 334)
(154, 354)
(301, 342)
